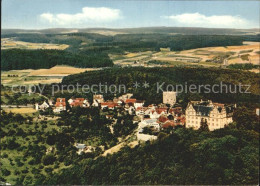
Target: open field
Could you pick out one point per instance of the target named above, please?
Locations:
(20, 110)
(209, 56)
(59, 71)
(43, 76)
(9, 43)
(233, 54)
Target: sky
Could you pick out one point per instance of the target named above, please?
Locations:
(41, 14)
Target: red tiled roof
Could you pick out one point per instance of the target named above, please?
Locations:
(109, 104)
(163, 119)
(168, 124)
(77, 102)
(160, 110)
(60, 100)
(80, 99)
(141, 108)
(60, 104)
(175, 110)
(130, 101)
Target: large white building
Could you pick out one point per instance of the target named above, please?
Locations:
(217, 115)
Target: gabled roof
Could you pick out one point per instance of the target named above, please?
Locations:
(60, 104)
(163, 119)
(168, 124)
(60, 100)
(160, 110)
(80, 146)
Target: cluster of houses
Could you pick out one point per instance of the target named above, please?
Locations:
(154, 117)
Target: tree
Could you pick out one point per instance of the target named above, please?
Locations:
(5, 172)
(204, 125)
(48, 159)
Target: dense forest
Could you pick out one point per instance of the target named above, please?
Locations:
(174, 76)
(225, 156)
(17, 59)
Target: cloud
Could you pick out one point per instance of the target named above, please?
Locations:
(214, 21)
(88, 15)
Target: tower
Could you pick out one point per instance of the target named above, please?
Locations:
(169, 97)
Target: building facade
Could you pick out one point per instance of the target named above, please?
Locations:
(215, 114)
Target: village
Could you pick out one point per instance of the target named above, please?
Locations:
(153, 118)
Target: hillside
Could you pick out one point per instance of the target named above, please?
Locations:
(226, 156)
(18, 59)
(173, 76)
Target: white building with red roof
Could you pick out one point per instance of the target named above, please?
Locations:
(79, 102)
(60, 105)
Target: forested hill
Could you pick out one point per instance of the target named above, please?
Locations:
(16, 59)
(225, 156)
(173, 76)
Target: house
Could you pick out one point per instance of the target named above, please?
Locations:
(60, 105)
(43, 106)
(168, 124)
(127, 101)
(149, 123)
(82, 148)
(216, 115)
(126, 96)
(79, 102)
(163, 119)
(109, 116)
(140, 111)
(97, 99)
(157, 112)
(138, 103)
(118, 101)
(95, 103)
(110, 105)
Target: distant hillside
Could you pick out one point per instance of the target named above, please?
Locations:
(161, 30)
(17, 59)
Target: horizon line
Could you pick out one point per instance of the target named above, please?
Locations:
(118, 28)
